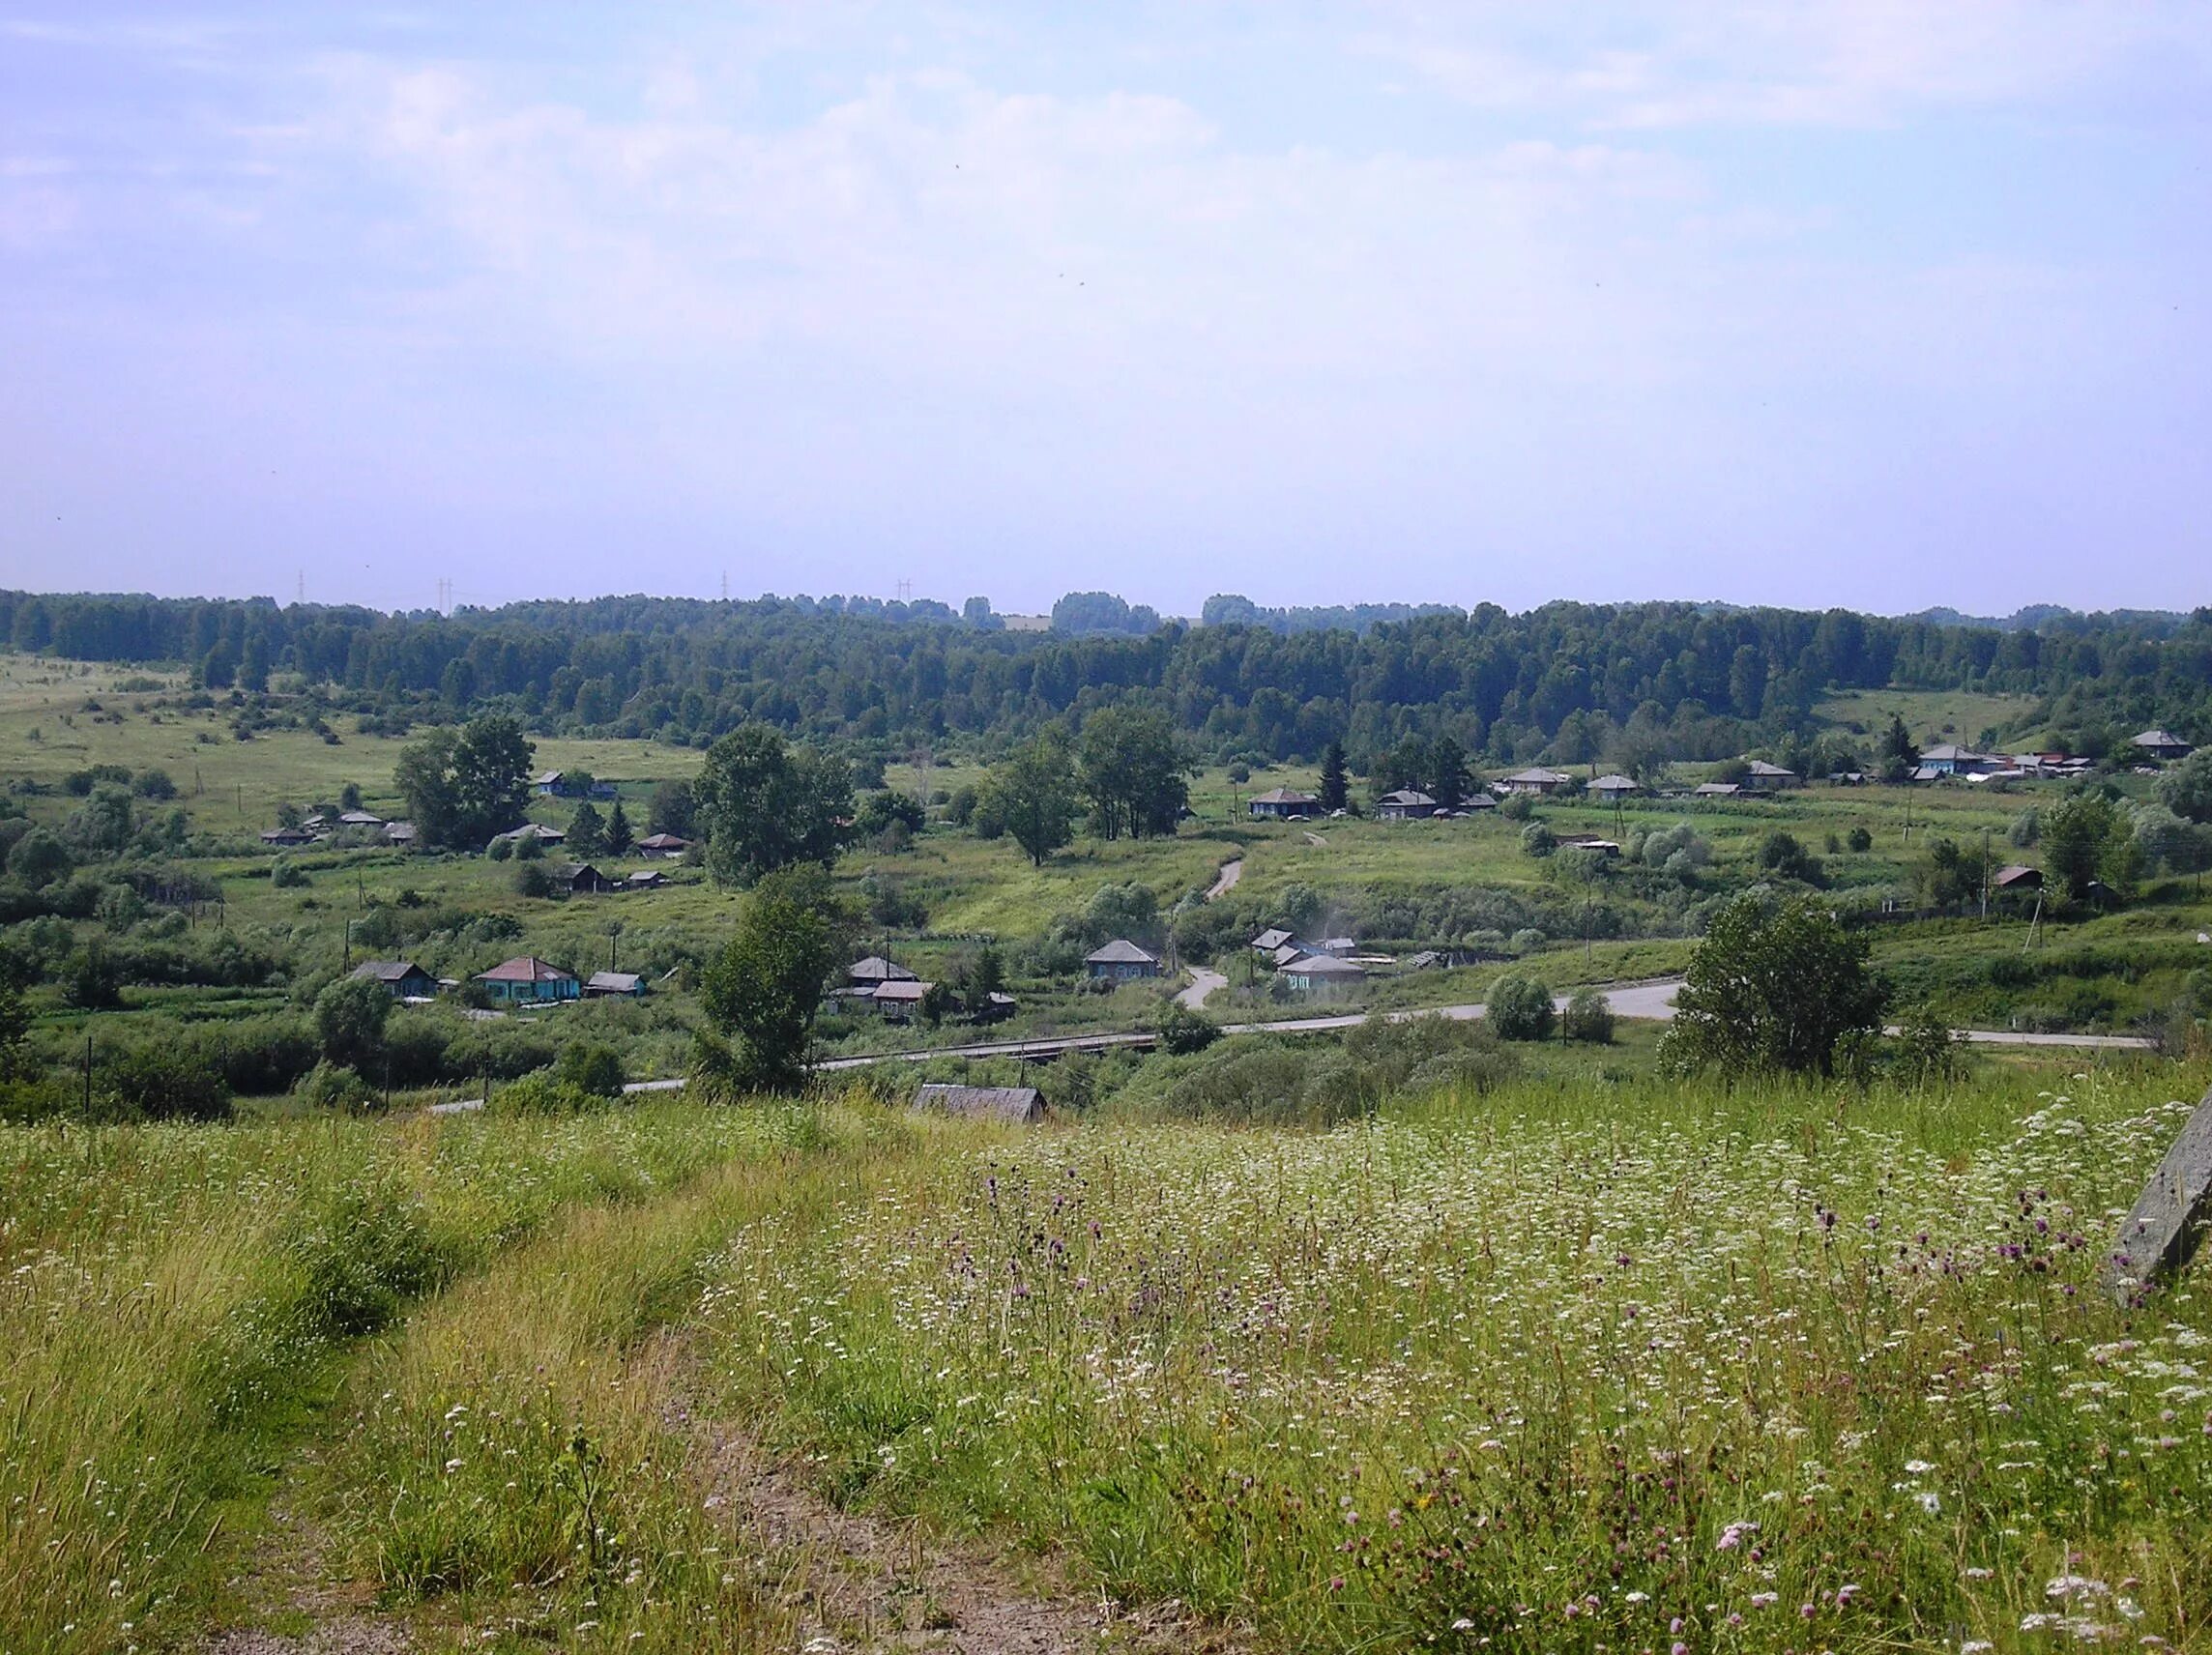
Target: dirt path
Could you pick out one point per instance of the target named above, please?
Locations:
(1226, 880)
(1202, 983)
(864, 1584)
(290, 1580)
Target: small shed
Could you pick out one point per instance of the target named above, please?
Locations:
(1715, 790)
(1016, 1106)
(2017, 877)
(645, 879)
(581, 879)
(603, 985)
(1120, 961)
(1269, 940)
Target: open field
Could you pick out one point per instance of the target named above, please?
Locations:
(1620, 1363)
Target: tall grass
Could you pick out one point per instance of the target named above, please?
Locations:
(170, 1299)
(513, 1466)
(1654, 1368)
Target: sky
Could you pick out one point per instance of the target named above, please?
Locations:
(1878, 302)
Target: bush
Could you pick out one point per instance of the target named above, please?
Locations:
(590, 1067)
(164, 1083)
(361, 1258)
(1474, 1069)
(1520, 1009)
(350, 1015)
(532, 880)
(1183, 1030)
(286, 875)
(1516, 807)
(1537, 840)
(543, 1092)
(335, 1089)
(499, 850)
(91, 979)
(1589, 1018)
(1860, 841)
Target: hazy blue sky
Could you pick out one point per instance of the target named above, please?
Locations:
(1886, 302)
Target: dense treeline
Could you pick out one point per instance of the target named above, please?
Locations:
(1509, 686)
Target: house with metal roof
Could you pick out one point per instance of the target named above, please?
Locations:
(402, 979)
(2163, 745)
(528, 980)
(1282, 804)
(1537, 781)
(1407, 805)
(1120, 961)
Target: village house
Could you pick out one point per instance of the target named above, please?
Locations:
(1120, 961)
(1715, 790)
(401, 835)
(581, 879)
(1763, 778)
(1537, 781)
(1611, 788)
(875, 970)
(1405, 806)
(402, 979)
(545, 835)
(285, 838)
(1016, 1106)
(645, 879)
(1473, 802)
(1282, 804)
(898, 998)
(2163, 745)
(1322, 975)
(528, 980)
(2016, 878)
(662, 845)
(360, 819)
(605, 985)
(1947, 758)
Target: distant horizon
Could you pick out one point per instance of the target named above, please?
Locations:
(1044, 612)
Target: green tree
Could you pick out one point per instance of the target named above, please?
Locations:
(1520, 1009)
(763, 990)
(620, 839)
(1899, 753)
(349, 1020)
(91, 979)
(765, 806)
(1781, 853)
(979, 976)
(674, 810)
(463, 786)
(1032, 796)
(1133, 772)
(590, 1067)
(38, 860)
(1335, 784)
(1589, 1018)
(1774, 987)
(2186, 789)
(1449, 779)
(587, 833)
(2087, 838)
(1183, 1029)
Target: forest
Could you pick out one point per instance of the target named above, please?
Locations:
(1561, 682)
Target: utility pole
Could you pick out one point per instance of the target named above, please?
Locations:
(1985, 876)
(88, 1074)
(347, 967)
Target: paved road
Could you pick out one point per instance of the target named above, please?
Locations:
(1650, 1002)
(1226, 880)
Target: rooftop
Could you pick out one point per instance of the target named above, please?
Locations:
(1121, 952)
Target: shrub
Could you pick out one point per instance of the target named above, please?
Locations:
(286, 875)
(164, 1083)
(1520, 1009)
(543, 1092)
(1478, 1070)
(361, 1258)
(1183, 1030)
(1860, 841)
(532, 880)
(91, 979)
(499, 850)
(1516, 807)
(335, 1089)
(591, 1067)
(1537, 840)
(1589, 1018)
